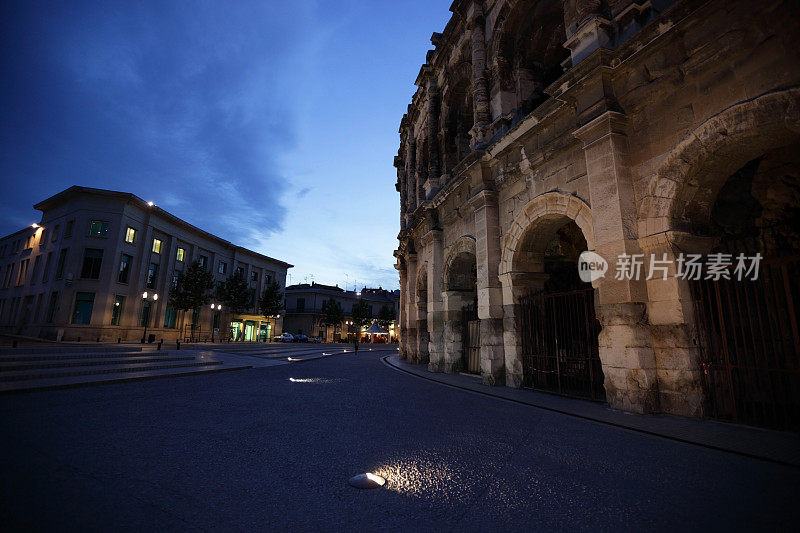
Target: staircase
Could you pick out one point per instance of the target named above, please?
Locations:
(42, 368)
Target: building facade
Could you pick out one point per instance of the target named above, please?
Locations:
(83, 271)
(304, 313)
(638, 130)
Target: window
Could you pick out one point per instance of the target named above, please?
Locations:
(98, 228)
(84, 303)
(3, 250)
(23, 272)
(30, 241)
(54, 238)
(181, 254)
(92, 260)
(43, 238)
(301, 305)
(7, 276)
(268, 278)
(35, 272)
(15, 247)
(130, 235)
(62, 263)
(152, 276)
(170, 317)
(37, 316)
(176, 274)
(240, 270)
(203, 260)
(52, 307)
(156, 246)
(68, 229)
(47, 264)
(116, 312)
(124, 268)
(254, 276)
(223, 267)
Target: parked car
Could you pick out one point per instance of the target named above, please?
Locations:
(284, 337)
(315, 339)
(300, 338)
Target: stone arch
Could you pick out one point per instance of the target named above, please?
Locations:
(460, 254)
(540, 214)
(457, 114)
(683, 190)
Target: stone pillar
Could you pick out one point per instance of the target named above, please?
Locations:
(423, 337)
(515, 285)
(626, 348)
(670, 309)
(403, 310)
(490, 293)
(410, 302)
(480, 87)
(433, 241)
(453, 303)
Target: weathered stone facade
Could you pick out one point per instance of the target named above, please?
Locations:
(623, 119)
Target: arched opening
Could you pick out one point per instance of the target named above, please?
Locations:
(556, 316)
(458, 124)
(529, 55)
(747, 297)
(462, 326)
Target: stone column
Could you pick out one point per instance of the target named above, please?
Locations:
(490, 293)
(410, 302)
(626, 347)
(515, 285)
(453, 303)
(423, 337)
(480, 87)
(670, 309)
(433, 241)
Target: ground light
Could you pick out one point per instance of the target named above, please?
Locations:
(367, 481)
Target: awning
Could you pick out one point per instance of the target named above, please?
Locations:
(375, 329)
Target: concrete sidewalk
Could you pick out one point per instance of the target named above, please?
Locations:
(774, 446)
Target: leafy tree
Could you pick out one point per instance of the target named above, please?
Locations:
(234, 293)
(271, 302)
(332, 314)
(193, 288)
(386, 316)
(361, 315)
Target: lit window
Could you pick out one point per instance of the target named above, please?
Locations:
(156, 246)
(181, 254)
(130, 235)
(98, 228)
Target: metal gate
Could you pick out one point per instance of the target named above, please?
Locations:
(751, 345)
(560, 346)
(471, 357)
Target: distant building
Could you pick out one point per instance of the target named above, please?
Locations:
(83, 270)
(304, 313)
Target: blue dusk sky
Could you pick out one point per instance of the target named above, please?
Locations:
(272, 124)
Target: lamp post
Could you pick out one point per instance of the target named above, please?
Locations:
(146, 312)
(215, 320)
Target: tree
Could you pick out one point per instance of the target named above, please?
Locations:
(234, 293)
(332, 314)
(271, 302)
(192, 290)
(386, 316)
(361, 315)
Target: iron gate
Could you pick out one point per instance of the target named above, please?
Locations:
(751, 346)
(560, 347)
(471, 358)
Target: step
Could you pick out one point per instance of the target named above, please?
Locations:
(10, 367)
(105, 379)
(68, 349)
(79, 356)
(25, 375)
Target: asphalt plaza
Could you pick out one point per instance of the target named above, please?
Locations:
(273, 448)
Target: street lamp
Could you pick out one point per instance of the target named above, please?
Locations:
(146, 312)
(215, 320)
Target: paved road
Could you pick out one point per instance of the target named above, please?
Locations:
(272, 449)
